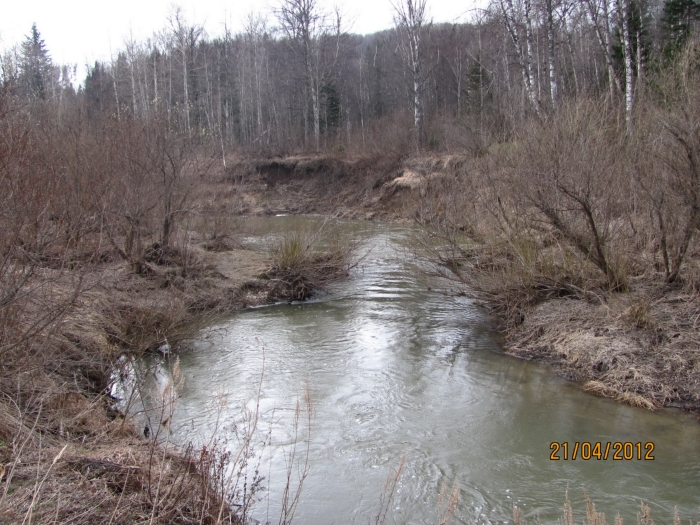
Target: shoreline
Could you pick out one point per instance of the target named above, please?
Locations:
(613, 344)
(636, 346)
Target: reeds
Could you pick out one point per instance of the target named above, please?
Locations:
(593, 517)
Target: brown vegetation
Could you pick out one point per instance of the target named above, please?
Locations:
(574, 221)
(593, 517)
(582, 237)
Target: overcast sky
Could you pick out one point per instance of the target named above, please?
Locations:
(81, 31)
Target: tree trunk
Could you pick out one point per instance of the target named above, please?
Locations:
(551, 50)
(524, 52)
(623, 12)
(316, 109)
(528, 39)
(603, 34)
(186, 91)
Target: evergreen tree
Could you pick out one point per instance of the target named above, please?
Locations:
(679, 17)
(35, 66)
(98, 93)
(330, 100)
(477, 94)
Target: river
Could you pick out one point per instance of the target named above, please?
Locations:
(397, 370)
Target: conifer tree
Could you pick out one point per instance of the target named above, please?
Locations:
(35, 66)
(679, 17)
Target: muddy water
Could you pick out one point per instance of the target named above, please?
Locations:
(395, 369)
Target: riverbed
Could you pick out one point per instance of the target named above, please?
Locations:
(397, 370)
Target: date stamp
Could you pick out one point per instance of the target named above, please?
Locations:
(618, 451)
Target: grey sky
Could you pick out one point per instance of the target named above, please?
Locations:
(81, 31)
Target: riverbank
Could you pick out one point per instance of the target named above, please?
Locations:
(636, 344)
(63, 446)
(68, 453)
(639, 347)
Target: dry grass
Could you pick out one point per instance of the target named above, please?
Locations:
(593, 517)
(112, 480)
(567, 235)
(606, 347)
(305, 261)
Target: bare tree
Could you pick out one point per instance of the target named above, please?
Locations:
(411, 23)
(315, 39)
(599, 13)
(513, 19)
(184, 38)
(549, 15)
(623, 13)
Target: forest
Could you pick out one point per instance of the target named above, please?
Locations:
(547, 150)
(303, 83)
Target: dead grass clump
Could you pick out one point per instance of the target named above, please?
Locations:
(607, 349)
(114, 482)
(303, 262)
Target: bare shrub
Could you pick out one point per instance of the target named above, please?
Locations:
(572, 172)
(668, 169)
(479, 231)
(394, 135)
(152, 175)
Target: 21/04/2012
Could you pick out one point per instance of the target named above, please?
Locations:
(586, 450)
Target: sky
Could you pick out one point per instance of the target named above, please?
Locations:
(78, 32)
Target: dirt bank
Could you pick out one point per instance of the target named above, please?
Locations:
(386, 187)
(639, 346)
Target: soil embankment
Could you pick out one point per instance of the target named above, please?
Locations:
(638, 346)
(371, 188)
(67, 454)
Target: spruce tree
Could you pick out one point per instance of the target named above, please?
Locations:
(679, 17)
(35, 66)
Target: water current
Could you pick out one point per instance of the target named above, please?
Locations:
(397, 370)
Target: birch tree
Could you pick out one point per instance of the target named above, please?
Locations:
(315, 39)
(411, 23)
(512, 20)
(622, 7)
(184, 38)
(549, 21)
(599, 13)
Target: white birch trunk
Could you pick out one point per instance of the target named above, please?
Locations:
(155, 79)
(603, 34)
(551, 51)
(524, 52)
(186, 91)
(528, 41)
(623, 8)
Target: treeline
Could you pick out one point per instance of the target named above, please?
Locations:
(307, 84)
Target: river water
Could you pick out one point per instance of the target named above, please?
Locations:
(396, 370)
